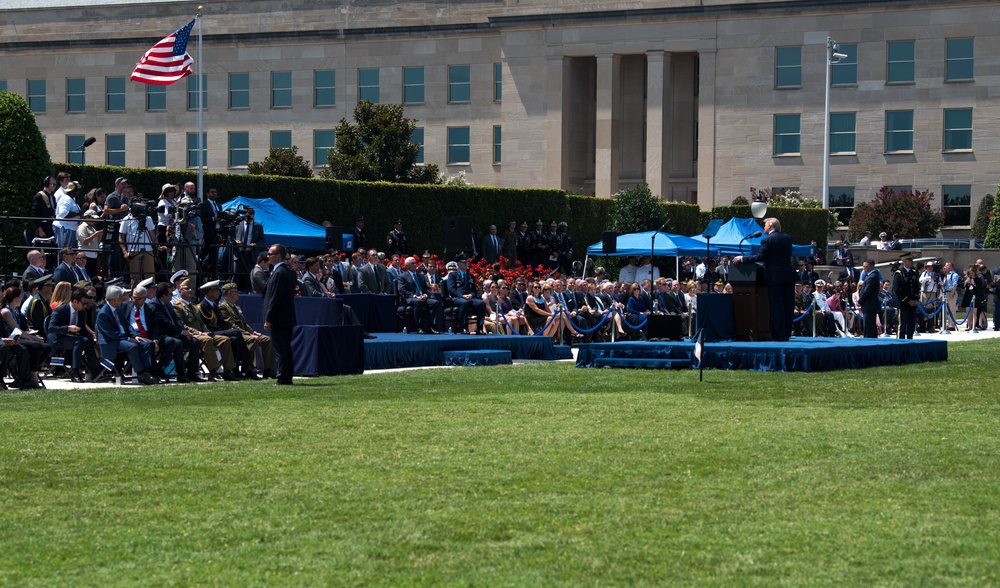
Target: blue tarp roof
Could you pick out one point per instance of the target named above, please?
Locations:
(667, 245)
(281, 225)
(732, 231)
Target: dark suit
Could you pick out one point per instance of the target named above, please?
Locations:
(278, 309)
(776, 254)
(114, 332)
(258, 279)
(246, 254)
(868, 298)
(31, 274)
(170, 334)
(80, 342)
(208, 210)
(373, 278)
(426, 311)
(490, 250)
(64, 273)
(459, 284)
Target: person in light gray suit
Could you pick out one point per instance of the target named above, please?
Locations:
(372, 276)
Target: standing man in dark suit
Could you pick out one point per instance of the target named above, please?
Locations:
(258, 275)
(359, 233)
(249, 236)
(209, 211)
(278, 308)
(868, 298)
(776, 254)
(492, 245)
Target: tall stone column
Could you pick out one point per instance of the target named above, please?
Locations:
(608, 127)
(658, 122)
(557, 93)
(706, 130)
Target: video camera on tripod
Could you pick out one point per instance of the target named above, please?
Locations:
(229, 219)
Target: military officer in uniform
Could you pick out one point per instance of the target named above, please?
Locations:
(906, 289)
(232, 315)
(210, 344)
(396, 239)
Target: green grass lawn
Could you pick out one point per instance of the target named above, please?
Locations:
(530, 475)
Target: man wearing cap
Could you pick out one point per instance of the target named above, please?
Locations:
(883, 243)
(114, 333)
(65, 208)
(396, 239)
(216, 349)
(278, 310)
(210, 315)
(373, 276)
(88, 238)
(462, 289)
(176, 280)
(509, 247)
(776, 254)
(906, 290)
(38, 309)
(359, 233)
(173, 335)
(871, 285)
(415, 288)
(67, 330)
(136, 239)
(564, 248)
(232, 315)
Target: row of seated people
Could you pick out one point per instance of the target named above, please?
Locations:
(147, 326)
(834, 310)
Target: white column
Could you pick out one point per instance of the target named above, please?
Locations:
(557, 151)
(608, 127)
(706, 130)
(658, 119)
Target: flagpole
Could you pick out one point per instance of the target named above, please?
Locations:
(201, 134)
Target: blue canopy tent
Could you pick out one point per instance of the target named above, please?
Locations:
(666, 245)
(727, 240)
(281, 225)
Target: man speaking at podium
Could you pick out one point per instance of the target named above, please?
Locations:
(776, 254)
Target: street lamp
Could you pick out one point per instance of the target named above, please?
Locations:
(833, 56)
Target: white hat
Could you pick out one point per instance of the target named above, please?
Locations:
(180, 274)
(210, 285)
(146, 283)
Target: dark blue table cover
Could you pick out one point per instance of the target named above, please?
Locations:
(328, 351)
(715, 315)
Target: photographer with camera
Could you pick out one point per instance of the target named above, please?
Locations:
(188, 236)
(249, 234)
(166, 208)
(210, 212)
(136, 238)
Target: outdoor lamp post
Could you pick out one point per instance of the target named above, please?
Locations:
(833, 56)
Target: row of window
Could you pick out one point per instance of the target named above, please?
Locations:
(900, 67)
(324, 89)
(898, 132)
(956, 203)
(459, 147)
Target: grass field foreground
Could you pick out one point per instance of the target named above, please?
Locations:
(525, 475)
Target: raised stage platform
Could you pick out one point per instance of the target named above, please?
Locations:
(801, 354)
(395, 350)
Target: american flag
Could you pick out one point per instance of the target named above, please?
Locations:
(167, 61)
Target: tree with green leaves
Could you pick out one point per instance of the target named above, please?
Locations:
(24, 160)
(282, 162)
(636, 210)
(905, 214)
(983, 215)
(377, 147)
(992, 240)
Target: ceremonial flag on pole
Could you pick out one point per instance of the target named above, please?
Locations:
(167, 61)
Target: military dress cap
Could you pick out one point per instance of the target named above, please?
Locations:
(906, 255)
(461, 258)
(359, 219)
(180, 274)
(209, 285)
(398, 221)
(563, 224)
(229, 286)
(146, 283)
(451, 265)
(426, 254)
(184, 284)
(820, 283)
(718, 283)
(46, 279)
(883, 234)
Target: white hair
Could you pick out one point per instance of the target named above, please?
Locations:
(114, 293)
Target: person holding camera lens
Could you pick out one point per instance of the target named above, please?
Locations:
(136, 238)
(166, 208)
(188, 236)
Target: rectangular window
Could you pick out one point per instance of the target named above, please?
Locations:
(899, 189)
(842, 139)
(957, 202)
(845, 72)
(114, 150)
(459, 84)
(497, 81)
(156, 149)
(156, 98)
(281, 89)
(115, 90)
(958, 129)
(192, 149)
(192, 93)
(36, 96)
(239, 149)
(788, 67)
(3, 85)
(368, 85)
(841, 199)
(899, 67)
(413, 85)
(74, 155)
(496, 143)
(324, 87)
(76, 95)
(418, 138)
(459, 148)
(281, 139)
(239, 91)
(898, 131)
(323, 142)
(786, 134)
(959, 60)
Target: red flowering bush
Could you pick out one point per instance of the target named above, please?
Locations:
(906, 214)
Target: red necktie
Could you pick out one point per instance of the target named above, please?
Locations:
(138, 323)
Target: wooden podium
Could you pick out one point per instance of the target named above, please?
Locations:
(750, 302)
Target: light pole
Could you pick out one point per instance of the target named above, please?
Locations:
(832, 56)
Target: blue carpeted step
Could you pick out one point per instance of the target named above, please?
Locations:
(651, 363)
(563, 351)
(476, 357)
